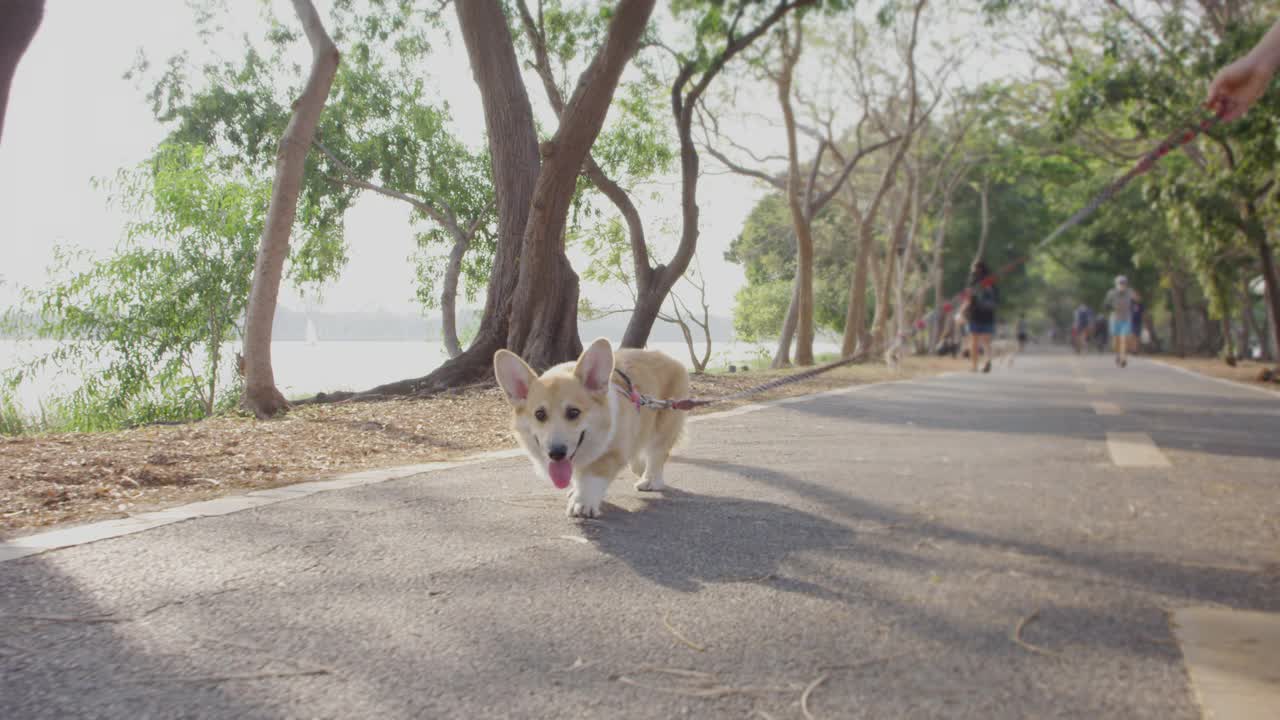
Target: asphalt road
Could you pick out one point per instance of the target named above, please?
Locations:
(960, 547)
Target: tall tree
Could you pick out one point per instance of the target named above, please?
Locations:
(808, 188)
(716, 26)
(380, 131)
(260, 393)
(855, 335)
(637, 149)
(532, 303)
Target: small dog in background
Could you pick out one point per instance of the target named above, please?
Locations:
(580, 425)
(1004, 349)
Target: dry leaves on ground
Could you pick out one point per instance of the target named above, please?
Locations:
(51, 479)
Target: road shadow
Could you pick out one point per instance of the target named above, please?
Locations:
(65, 654)
(1234, 587)
(684, 541)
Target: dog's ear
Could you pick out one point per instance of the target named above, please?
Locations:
(595, 366)
(514, 375)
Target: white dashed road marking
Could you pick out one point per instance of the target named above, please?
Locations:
(1102, 407)
(1233, 658)
(1134, 449)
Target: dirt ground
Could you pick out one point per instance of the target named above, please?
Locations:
(76, 477)
(1245, 371)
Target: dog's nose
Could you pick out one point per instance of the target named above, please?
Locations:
(557, 452)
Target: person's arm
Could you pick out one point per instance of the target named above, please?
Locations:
(1239, 85)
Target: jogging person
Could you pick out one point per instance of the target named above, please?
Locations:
(1082, 321)
(980, 311)
(1121, 299)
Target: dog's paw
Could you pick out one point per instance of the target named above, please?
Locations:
(651, 484)
(579, 509)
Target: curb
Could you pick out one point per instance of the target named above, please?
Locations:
(106, 529)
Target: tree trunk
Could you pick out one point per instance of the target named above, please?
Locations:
(648, 306)
(1207, 337)
(885, 282)
(532, 303)
(782, 355)
(902, 314)
(855, 315)
(1178, 302)
(1247, 326)
(648, 303)
(19, 20)
(513, 149)
(803, 294)
(260, 393)
(855, 319)
(884, 288)
(985, 193)
(683, 106)
(449, 296)
(1271, 348)
(1270, 281)
(544, 310)
(935, 328)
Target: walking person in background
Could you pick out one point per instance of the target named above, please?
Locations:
(1082, 321)
(1022, 332)
(980, 311)
(1135, 337)
(1121, 299)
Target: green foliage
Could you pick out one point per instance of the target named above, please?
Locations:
(144, 329)
(13, 421)
(381, 122)
(766, 249)
(760, 309)
(1207, 214)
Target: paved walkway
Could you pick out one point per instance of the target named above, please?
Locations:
(972, 546)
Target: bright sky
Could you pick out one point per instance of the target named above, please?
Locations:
(72, 117)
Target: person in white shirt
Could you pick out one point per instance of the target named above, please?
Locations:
(1121, 299)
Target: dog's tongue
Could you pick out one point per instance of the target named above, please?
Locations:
(561, 471)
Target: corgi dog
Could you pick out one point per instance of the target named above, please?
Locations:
(580, 426)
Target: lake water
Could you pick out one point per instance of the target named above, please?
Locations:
(305, 369)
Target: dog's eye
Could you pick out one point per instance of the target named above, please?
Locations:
(572, 413)
(541, 415)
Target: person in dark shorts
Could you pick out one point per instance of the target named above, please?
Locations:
(1099, 333)
(1082, 321)
(980, 313)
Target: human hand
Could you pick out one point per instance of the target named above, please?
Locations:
(1239, 85)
